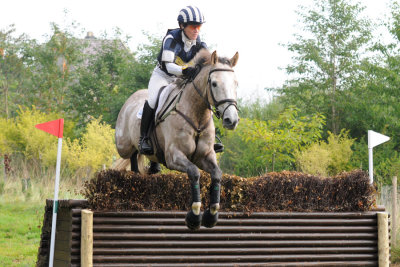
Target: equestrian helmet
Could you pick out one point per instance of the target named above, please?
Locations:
(190, 15)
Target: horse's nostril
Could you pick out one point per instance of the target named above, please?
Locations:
(227, 121)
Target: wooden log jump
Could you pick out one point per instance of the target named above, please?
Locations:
(148, 238)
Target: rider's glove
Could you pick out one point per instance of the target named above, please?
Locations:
(189, 73)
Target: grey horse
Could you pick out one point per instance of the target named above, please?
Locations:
(186, 135)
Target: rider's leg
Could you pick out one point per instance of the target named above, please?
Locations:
(157, 80)
(147, 118)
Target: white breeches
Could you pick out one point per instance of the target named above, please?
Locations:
(157, 80)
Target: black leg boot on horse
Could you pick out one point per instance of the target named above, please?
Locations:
(210, 216)
(193, 217)
(145, 147)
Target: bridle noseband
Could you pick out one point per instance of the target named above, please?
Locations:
(232, 102)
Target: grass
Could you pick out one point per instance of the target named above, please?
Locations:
(21, 214)
(20, 228)
(395, 254)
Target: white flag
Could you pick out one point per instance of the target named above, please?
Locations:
(375, 139)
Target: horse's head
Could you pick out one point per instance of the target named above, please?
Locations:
(222, 89)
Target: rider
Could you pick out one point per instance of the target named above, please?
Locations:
(174, 60)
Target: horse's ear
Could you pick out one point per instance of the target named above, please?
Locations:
(234, 59)
(214, 58)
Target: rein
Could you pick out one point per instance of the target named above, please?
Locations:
(232, 102)
(200, 128)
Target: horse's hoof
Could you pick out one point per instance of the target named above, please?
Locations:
(154, 167)
(209, 220)
(193, 221)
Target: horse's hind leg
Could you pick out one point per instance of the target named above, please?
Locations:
(209, 164)
(179, 162)
(154, 167)
(134, 162)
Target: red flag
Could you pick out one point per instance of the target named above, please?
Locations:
(52, 127)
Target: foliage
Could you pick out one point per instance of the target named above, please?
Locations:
(13, 71)
(386, 163)
(29, 141)
(95, 148)
(375, 97)
(275, 191)
(239, 157)
(261, 110)
(105, 81)
(395, 253)
(327, 158)
(281, 138)
(53, 68)
(109, 76)
(270, 146)
(6, 127)
(147, 59)
(327, 59)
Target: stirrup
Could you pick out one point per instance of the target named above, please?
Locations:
(218, 147)
(144, 147)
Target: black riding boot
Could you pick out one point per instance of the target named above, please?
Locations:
(218, 147)
(147, 118)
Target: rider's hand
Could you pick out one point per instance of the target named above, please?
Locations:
(189, 72)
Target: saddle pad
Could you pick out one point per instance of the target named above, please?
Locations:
(161, 101)
(163, 97)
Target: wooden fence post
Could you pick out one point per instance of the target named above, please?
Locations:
(383, 239)
(394, 210)
(87, 238)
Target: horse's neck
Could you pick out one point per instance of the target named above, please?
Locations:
(195, 106)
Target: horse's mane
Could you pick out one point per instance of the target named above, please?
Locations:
(202, 58)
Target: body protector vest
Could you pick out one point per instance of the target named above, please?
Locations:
(173, 50)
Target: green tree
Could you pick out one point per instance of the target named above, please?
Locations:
(53, 70)
(327, 59)
(109, 77)
(258, 146)
(376, 96)
(13, 71)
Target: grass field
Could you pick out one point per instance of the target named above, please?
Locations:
(20, 228)
(21, 216)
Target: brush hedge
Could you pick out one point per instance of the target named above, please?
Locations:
(276, 191)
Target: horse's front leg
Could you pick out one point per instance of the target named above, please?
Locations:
(178, 161)
(209, 164)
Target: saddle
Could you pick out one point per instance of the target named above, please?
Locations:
(167, 98)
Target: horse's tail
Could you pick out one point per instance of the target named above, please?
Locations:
(121, 164)
(125, 164)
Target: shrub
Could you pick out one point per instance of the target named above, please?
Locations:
(275, 191)
(6, 127)
(95, 148)
(327, 158)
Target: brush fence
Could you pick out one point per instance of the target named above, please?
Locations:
(134, 238)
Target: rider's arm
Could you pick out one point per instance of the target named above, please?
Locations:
(173, 68)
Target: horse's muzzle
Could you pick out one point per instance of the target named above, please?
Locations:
(230, 119)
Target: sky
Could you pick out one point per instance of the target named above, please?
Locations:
(256, 29)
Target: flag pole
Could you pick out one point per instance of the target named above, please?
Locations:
(55, 203)
(370, 164)
(55, 128)
(374, 139)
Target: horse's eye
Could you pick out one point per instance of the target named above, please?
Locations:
(214, 84)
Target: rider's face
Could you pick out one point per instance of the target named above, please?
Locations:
(192, 31)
